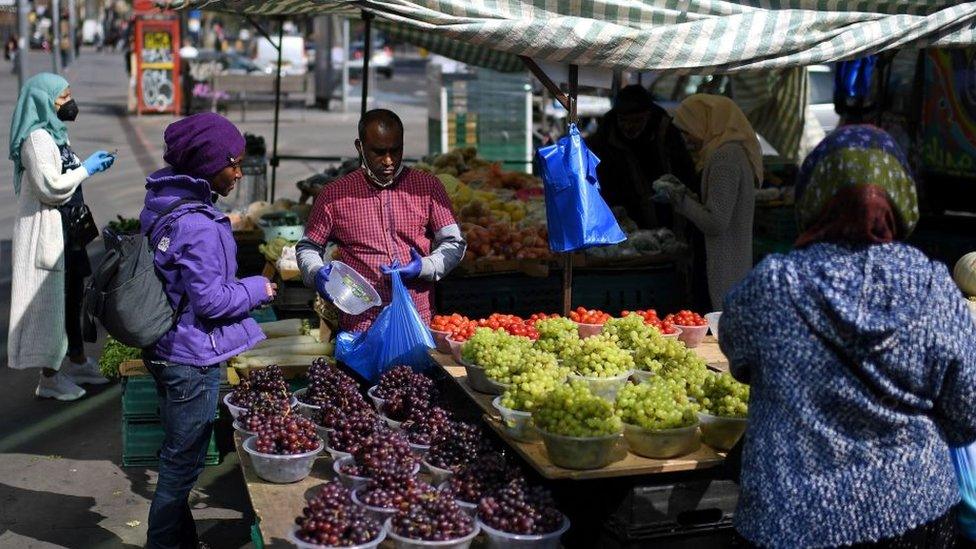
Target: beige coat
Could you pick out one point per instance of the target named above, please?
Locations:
(37, 337)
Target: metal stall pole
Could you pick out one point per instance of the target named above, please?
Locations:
(72, 31)
(568, 258)
(367, 52)
(569, 103)
(23, 41)
(56, 46)
(345, 65)
(277, 88)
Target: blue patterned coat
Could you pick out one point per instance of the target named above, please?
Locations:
(862, 365)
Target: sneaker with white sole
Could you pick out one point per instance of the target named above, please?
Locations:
(58, 386)
(84, 373)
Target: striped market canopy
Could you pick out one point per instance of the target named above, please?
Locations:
(688, 36)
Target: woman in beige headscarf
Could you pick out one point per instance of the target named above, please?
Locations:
(727, 153)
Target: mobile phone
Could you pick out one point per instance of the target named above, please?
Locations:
(114, 153)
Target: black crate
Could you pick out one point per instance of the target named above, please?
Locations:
(293, 296)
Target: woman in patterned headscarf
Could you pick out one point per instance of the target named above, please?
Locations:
(861, 373)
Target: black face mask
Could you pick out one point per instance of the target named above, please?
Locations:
(68, 111)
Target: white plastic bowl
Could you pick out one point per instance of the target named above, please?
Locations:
(580, 452)
(517, 424)
(378, 402)
(394, 424)
(469, 508)
(455, 349)
(496, 539)
(239, 427)
(381, 514)
(479, 381)
(437, 475)
(720, 432)
(308, 410)
(440, 340)
(401, 542)
(587, 330)
(234, 409)
(283, 469)
(419, 450)
(350, 292)
(661, 443)
(293, 537)
(337, 454)
(349, 481)
(692, 336)
(604, 387)
(640, 376)
(712, 319)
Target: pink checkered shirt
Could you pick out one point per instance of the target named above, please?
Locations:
(372, 226)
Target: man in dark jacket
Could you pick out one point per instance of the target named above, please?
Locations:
(195, 256)
(637, 144)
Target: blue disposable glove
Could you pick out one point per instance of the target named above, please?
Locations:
(321, 278)
(98, 162)
(408, 271)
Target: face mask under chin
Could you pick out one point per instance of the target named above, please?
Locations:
(376, 180)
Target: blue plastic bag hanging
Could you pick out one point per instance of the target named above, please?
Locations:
(852, 85)
(577, 215)
(964, 459)
(397, 336)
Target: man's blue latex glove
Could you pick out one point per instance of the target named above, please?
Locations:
(321, 278)
(408, 271)
(98, 162)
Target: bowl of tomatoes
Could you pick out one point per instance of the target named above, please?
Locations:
(453, 326)
(692, 325)
(589, 322)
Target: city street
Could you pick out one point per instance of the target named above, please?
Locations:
(61, 479)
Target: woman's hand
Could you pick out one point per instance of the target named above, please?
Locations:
(98, 162)
(272, 290)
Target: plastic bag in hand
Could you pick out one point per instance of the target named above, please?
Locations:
(397, 336)
(964, 459)
(576, 214)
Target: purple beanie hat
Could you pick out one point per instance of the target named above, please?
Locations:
(202, 144)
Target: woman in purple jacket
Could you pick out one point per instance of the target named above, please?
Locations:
(196, 259)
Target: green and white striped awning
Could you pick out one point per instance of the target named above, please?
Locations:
(698, 36)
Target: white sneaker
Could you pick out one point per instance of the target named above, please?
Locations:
(58, 386)
(84, 373)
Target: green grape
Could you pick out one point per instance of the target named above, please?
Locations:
(658, 403)
(572, 410)
(498, 352)
(669, 358)
(555, 334)
(724, 396)
(530, 387)
(600, 356)
(631, 331)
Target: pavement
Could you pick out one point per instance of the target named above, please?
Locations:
(61, 479)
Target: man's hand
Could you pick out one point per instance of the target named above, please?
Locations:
(410, 270)
(321, 279)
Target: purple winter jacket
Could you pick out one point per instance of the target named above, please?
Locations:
(196, 256)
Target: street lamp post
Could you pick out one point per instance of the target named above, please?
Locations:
(72, 30)
(23, 40)
(56, 46)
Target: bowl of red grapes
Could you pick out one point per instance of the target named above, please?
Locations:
(331, 519)
(434, 521)
(520, 516)
(284, 449)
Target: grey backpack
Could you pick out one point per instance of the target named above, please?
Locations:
(126, 295)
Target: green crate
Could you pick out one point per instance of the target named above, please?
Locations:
(142, 440)
(139, 398)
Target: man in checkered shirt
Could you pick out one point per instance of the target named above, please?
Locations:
(383, 217)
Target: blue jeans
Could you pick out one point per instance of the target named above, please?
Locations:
(187, 406)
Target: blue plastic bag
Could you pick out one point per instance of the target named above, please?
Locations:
(397, 336)
(964, 459)
(577, 215)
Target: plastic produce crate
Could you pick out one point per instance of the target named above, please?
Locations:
(139, 398)
(142, 440)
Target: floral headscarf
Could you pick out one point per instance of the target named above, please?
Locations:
(856, 186)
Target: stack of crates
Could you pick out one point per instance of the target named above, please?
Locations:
(142, 429)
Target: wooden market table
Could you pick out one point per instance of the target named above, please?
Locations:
(629, 464)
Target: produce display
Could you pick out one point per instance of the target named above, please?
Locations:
(656, 404)
(539, 375)
(483, 477)
(670, 358)
(458, 446)
(435, 517)
(113, 355)
(686, 318)
(283, 435)
(572, 410)
(332, 519)
(721, 395)
(651, 319)
(266, 384)
(458, 327)
(600, 356)
(629, 330)
(518, 509)
(289, 342)
(394, 490)
(493, 348)
(588, 316)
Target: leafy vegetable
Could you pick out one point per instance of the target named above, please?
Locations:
(114, 354)
(124, 225)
